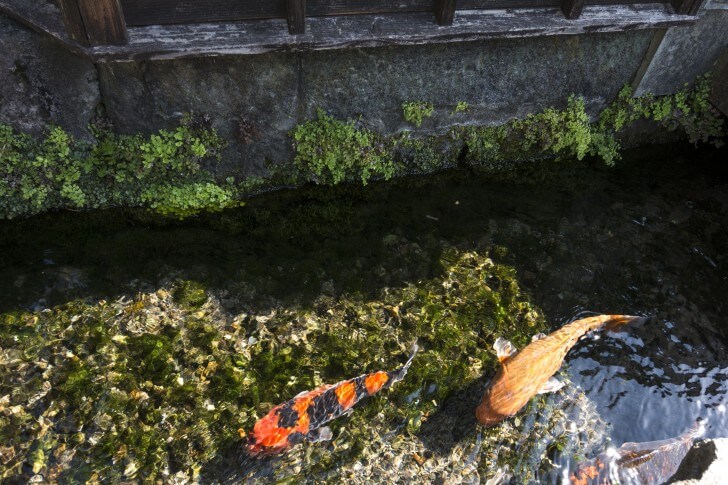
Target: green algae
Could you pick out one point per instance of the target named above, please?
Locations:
(162, 383)
(190, 294)
(174, 175)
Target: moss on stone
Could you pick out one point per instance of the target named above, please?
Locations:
(165, 172)
(190, 294)
(135, 387)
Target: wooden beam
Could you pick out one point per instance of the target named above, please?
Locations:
(296, 16)
(355, 31)
(73, 21)
(444, 11)
(572, 8)
(104, 22)
(686, 7)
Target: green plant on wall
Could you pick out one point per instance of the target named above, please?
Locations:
(416, 111)
(164, 172)
(189, 199)
(329, 151)
(689, 109)
(461, 106)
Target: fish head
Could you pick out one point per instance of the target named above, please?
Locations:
(486, 415)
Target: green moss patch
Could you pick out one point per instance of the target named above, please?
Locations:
(159, 385)
(164, 172)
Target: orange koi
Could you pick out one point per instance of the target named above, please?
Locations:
(649, 463)
(304, 416)
(529, 372)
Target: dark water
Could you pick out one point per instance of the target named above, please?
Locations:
(649, 237)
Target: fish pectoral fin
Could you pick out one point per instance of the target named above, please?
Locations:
(504, 349)
(321, 434)
(538, 336)
(552, 385)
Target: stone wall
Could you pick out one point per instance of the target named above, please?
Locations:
(41, 83)
(270, 93)
(255, 100)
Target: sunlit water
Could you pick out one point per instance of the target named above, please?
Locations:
(649, 237)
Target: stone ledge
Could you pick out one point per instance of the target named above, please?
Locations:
(324, 33)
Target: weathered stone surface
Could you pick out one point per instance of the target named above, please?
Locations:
(716, 4)
(719, 95)
(705, 464)
(498, 79)
(686, 52)
(251, 101)
(41, 83)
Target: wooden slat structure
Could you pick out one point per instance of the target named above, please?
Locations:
(296, 16)
(104, 22)
(126, 29)
(687, 7)
(572, 8)
(73, 21)
(94, 22)
(444, 11)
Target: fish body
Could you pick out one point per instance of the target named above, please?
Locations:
(304, 416)
(524, 374)
(649, 463)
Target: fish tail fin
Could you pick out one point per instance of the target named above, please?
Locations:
(614, 323)
(399, 374)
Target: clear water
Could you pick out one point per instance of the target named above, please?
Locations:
(649, 237)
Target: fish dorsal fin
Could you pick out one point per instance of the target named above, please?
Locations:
(504, 349)
(538, 336)
(552, 385)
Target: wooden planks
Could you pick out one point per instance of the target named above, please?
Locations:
(572, 8)
(355, 31)
(349, 7)
(686, 7)
(73, 21)
(165, 12)
(104, 21)
(444, 11)
(296, 16)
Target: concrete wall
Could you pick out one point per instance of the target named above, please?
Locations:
(41, 83)
(274, 92)
(255, 100)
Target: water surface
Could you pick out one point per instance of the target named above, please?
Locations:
(649, 237)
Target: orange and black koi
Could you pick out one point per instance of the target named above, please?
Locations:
(304, 416)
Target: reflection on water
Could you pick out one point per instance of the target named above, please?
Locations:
(647, 238)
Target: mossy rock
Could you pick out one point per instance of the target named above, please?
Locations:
(190, 294)
(136, 402)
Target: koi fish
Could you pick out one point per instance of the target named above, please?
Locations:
(649, 463)
(304, 416)
(529, 372)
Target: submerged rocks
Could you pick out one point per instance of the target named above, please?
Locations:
(166, 379)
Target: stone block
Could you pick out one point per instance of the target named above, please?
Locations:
(251, 100)
(499, 79)
(719, 93)
(686, 52)
(43, 84)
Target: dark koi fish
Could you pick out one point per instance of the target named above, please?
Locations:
(304, 416)
(649, 463)
(529, 372)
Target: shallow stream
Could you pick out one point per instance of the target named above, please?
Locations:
(649, 237)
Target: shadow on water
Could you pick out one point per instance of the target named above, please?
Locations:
(649, 237)
(454, 421)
